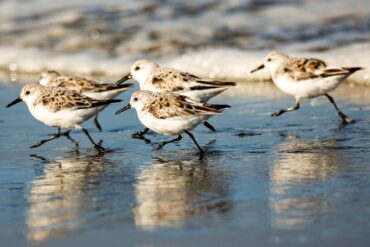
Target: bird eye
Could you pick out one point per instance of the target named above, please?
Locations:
(137, 68)
(27, 93)
(135, 99)
(269, 60)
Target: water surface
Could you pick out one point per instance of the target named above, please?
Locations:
(300, 179)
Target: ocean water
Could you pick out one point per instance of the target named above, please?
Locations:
(218, 39)
(301, 179)
(298, 180)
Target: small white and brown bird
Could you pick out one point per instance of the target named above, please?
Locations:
(61, 108)
(87, 87)
(305, 78)
(155, 78)
(171, 114)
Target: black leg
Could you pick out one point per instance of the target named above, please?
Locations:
(195, 142)
(66, 134)
(140, 134)
(96, 146)
(56, 136)
(282, 111)
(162, 144)
(345, 119)
(209, 126)
(97, 124)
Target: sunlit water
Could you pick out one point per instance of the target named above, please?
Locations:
(300, 179)
(218, 39)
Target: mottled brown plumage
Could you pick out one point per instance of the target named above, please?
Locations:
(57, 98)
(165, 105)
(172, 80)
(82, 85)
(301, 68)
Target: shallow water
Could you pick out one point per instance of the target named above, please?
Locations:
(217, 39)
(300, 179)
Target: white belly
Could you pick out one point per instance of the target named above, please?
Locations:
(308, 88)
(104, 95)
(170, 126)
(64, 118)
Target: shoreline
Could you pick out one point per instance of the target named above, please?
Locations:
(221, 63)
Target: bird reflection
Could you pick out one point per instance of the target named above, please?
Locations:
(58, 200)
(298, 164)
(172, 190)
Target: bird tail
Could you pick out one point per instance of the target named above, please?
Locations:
(217, 83)
(334, 71)
(104, 102)
(353, 69)
(220, 107)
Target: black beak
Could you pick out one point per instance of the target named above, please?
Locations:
(123, 79)
(258, 68)
(17, 100)
(123, 109)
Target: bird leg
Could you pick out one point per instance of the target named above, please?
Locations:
(66, 134)
(140, 134)
(55, 136)
(195, 142)
(209, 126)
(282, 111)
(99, 148)
(162, 144)
(97, 124)
(345, 119)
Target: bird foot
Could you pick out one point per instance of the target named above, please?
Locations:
(159, 146)
(99, 148)
(277, 113)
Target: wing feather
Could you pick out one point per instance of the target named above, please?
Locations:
(58, 98)
(302, 68)
(172, 80)
(165, 105)
(83, 85)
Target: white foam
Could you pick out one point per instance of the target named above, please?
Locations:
(217, 39)
(234, 64)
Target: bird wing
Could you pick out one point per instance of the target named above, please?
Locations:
(301, 69)
(172, 80)
(58, 98)
(172, 105)
(83, 85)
(333, 71)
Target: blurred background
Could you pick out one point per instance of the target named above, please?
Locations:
(218, 39)
(297, 180)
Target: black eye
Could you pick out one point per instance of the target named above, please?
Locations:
(27, 93)
(269, 60)
(137, 68)
(135, 99)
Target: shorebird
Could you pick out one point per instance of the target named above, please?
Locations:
(61, 108)
(305, 78)
(171, 114)
(155, 78)
(87, 87)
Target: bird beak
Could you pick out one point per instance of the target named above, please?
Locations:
(123, 79)
(258, 68)
(128, 106)
(17, 100)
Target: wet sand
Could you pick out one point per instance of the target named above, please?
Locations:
(297, 180)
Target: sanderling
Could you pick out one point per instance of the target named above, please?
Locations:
(305, 78)
(155, 78)
(61, 108)
(171, 114)
(87, 87)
